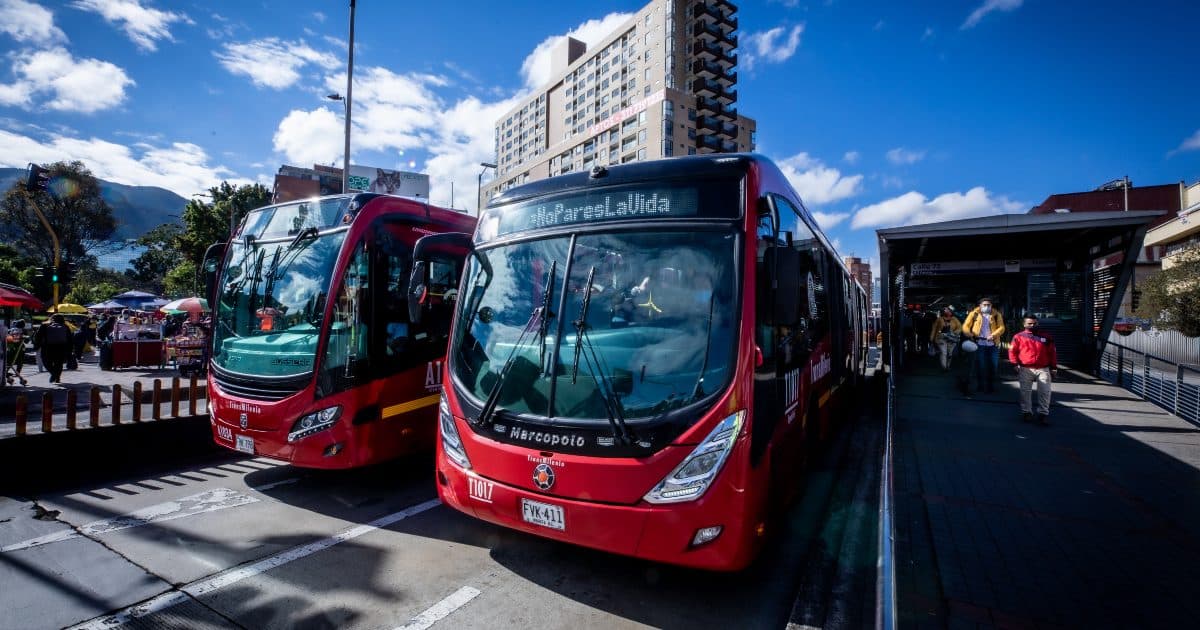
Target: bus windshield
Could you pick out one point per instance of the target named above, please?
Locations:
(588, 326)
(271, 301)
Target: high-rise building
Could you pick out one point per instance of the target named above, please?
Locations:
(861, 270)
(662, 84)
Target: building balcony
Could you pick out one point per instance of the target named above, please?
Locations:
(716, 126)
(715, 14)
(711, 32)
(714, 144)
(715, 71)
(712, 107)
(714, 89)
(709, 50)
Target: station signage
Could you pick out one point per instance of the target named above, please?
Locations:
(958, 267)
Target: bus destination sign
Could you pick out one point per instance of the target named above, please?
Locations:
(609, 205)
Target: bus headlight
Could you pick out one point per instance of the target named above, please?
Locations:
(451, 443)
(314, 423)
(693, 475)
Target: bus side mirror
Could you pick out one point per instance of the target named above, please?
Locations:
(446, 245)
(212, 260)
(417, 291)
(782, 289)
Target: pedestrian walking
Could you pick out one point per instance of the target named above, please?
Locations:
(945, 335)
(14, 348)
(1033, 352)
(985, 326)
(53, 339)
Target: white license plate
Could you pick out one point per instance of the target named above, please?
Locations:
(245, 444)
(543, 514)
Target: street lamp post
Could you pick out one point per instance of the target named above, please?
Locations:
(479, 186)
(347, 102)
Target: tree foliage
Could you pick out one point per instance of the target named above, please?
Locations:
(74, 209)
(150, 269)
(208, 223)
(1171, 297)
(94, 285)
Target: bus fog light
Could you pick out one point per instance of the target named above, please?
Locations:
(314, 423)
(692, 477)
(451, 443)
(706, 535)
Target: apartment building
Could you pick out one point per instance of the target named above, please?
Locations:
(663, 84)
(861, 270)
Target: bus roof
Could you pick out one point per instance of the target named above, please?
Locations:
(710, 165)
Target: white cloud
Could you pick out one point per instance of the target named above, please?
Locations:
(69, 84)
(817, 183)
(179, 167)
(27, 22)
(1190, 144)
(828, 220)
(535, 70)
(314, 137)
(145, 26)
(851, 157)
(900, 156)
(766, 46)
(914, 208)
(987, 7)
(272, 62)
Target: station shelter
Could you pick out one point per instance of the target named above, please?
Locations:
(1068, 269)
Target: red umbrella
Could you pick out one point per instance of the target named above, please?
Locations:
(13, 296)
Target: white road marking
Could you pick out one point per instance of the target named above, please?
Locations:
(203, 587)
(274, 484)
(442, 609)
(208, 501)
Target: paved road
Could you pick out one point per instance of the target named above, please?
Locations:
(212, 539)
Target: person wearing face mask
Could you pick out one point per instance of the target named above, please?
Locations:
(946, 329)
(1032, 351)
(985, 326)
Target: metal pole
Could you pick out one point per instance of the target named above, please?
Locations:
(53, 239)
(349, 94)
(1126, 187)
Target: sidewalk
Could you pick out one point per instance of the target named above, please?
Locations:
(81, 382)
(1090, 522)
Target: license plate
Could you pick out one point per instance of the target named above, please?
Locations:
(225, 433)
(245, 444)
(543, 514)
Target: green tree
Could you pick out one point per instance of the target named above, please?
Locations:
(74, 208)
(181, 281)
(208, 223)
(1171, 297)
(94, 285)
(162, 254)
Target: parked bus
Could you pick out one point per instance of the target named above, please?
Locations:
(644, 357)
(314, 360)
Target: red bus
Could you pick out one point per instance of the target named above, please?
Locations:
(644, 356)
(314, 360)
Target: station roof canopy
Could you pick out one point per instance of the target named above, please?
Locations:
(1006, 236)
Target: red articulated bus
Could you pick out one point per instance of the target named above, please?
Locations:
(314, 359)
(644, 356)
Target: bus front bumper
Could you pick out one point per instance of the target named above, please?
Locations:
(660, 533)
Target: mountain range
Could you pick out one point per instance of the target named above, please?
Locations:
(137, 209)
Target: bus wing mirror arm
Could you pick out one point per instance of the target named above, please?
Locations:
(453, 244)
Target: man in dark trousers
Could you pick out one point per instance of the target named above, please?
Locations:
(54, 340)
(1032, 351)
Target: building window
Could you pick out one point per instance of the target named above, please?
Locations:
(642, 136)
(641, 154)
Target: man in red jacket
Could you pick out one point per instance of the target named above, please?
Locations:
(1032, 351)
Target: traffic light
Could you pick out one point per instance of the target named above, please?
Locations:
(37, 179)
(54, 275)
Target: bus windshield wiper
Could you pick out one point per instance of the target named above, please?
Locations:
(547, 295)
(537, 320)
(608, 395)
(698, 390)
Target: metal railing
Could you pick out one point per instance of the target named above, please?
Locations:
(1170, 385)
(885, 583)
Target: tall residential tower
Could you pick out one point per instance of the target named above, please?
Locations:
(662, 84)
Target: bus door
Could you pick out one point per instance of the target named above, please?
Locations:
(784, 345)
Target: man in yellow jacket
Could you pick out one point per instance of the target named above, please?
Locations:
(944, 336)
(985, 326)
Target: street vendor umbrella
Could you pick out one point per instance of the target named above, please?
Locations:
(133, 299)
(193, 306)
(68, 308)
(15, 296)
(107, 305)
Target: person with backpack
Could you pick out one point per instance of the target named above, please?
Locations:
(53, 339)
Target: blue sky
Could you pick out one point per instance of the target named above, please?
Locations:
(882, 113)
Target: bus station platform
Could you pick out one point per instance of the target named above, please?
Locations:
(1091, 521)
